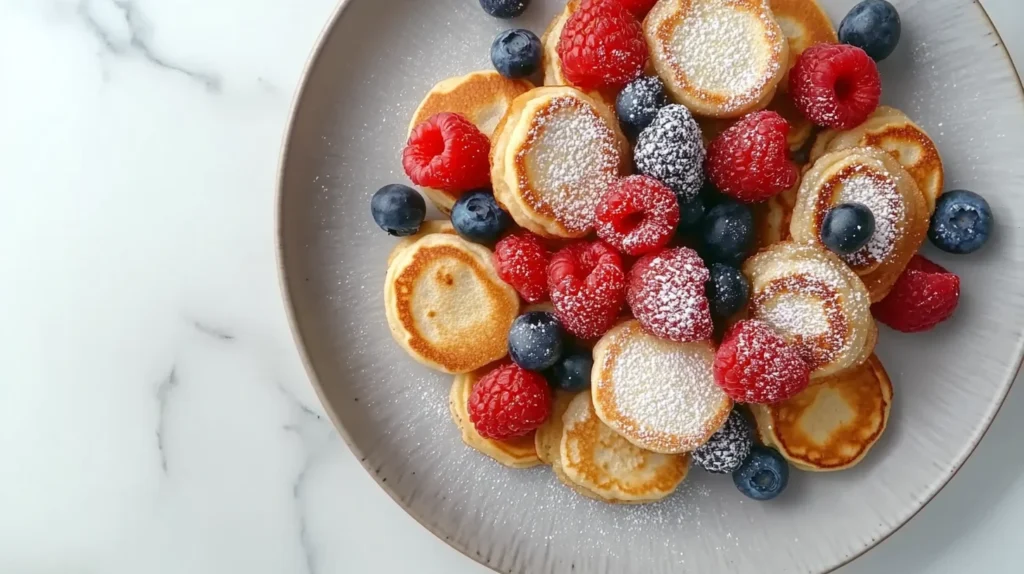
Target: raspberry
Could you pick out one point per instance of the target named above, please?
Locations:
(750, 160)
(835, 85)
(639, 8)
(588, 288)
(754, 364)
(666, 294)
(637, 215)
(448, 152)
(509, 402)
(602, 46)
(521, 260)
(924, 296)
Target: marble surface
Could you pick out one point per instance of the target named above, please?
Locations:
(154, 416)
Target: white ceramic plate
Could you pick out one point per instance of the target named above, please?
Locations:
(376, 60)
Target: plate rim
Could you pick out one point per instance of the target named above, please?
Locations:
(299, 340)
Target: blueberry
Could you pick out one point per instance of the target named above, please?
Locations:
(504, 8)
(728, 448)
(727, 234)
(571, 372)
(516, 53)
(961, 223)
(477, 217)
(873, 26)
(728, 290)
(535, 340)
(398, 209)
(690, 214)
(638, 104)
(847, 227)
(764, 475)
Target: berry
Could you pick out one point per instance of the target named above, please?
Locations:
(691, 212)
(925, 295)
(477, 217)
(639, 8)
(509, 402)
(504, 8)
(637, 215)
(728, 290)
(873, 26)
(535, 340)
(638, 104)
(671, 150)
(961, 223)
(847, 227)
(588, 288)
(835, 85)
(572, 372)
(750, 160)
(764, 475)
(727, 233)
(602, 46)
(666, 294)
(754, 364)
(521, 260)
(726, 450)
(398, 209)
(448, 152)
(516, 53)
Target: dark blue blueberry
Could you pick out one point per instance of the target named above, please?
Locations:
(535, 340)
(638, 104)
(728, 448)
(516, 53)
(504, 8)
(764, 475)
(398, 209)
(690, 214)
(727, 234)
(571, 372)
(477, 217)
(961, 223)
(873, 26)
(847, 227)
(712, 196)
(727, 290)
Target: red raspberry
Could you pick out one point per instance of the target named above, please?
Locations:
(666, 294)
(924, 296)
(639, 8)
(448, 152)
(509, 402)
(750, 160)
(638, 214)
(521, 260)
(754, 364)
(602, 45)
(835, 85)
(588, 288)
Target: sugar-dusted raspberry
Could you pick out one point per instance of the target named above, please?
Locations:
(521, 260)
(925, 295)
(750, 160)
(448, 152)
(639, 8)
(835, 85)
(587, 283)
(754, 364)
(637, 215)
(602, 45)
(509, 402)
(666, 294)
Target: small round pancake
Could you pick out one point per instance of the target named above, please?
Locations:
(718, 58)
(518, 452)
(428, 227)
(446, 306)
(658, 394)
(875, 179)
(771, 218)
(548, 437)
(805, 24)
(832, 424)
(598, 459)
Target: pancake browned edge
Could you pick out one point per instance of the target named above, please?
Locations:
(518, 452)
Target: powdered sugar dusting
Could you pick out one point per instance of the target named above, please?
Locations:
(666, 295)
(795, 313)
(879, 194)
(571, 159)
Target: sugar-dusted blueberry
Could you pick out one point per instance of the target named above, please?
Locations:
(516, 53)
(847, 227)
(764, 475)
(728, 290)
(571, 372)
(962, 222)
(398, 209)
(477, 217)
(638, 104)
(535, 340)
(873, 26)
(504, 8)
(727, 233)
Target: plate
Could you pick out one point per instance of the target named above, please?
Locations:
(372, 65)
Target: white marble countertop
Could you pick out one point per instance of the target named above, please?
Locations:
(154, 416)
